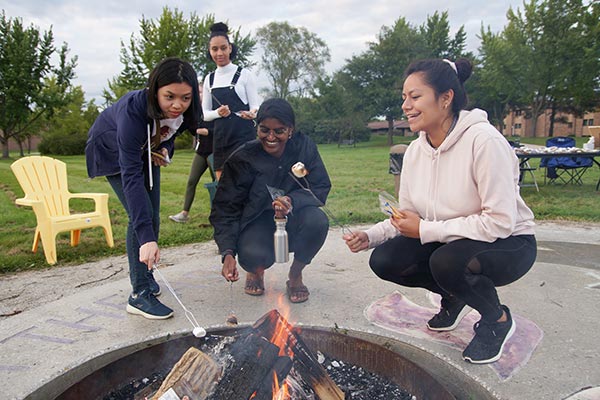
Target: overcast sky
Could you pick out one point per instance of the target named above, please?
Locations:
(93, 30)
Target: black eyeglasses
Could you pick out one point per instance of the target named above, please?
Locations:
(264, 131)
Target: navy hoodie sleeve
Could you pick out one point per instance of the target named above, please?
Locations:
(132, 125)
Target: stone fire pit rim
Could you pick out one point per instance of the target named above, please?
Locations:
(460, 385)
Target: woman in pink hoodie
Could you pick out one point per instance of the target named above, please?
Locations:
(463, 228)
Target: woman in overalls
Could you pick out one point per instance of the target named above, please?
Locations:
(230, 98)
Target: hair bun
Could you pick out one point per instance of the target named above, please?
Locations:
(464, 69)
(219, 27)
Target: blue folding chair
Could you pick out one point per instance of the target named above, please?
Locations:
(567, 169)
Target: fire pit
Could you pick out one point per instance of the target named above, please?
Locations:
(418, 372)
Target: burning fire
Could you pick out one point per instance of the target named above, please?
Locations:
(280, 393)
(281, 338)
(282, 335)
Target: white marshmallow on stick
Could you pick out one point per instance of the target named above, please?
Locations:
(299, 170)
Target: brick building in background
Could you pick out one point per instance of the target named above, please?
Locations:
(520, 123)
(30, 145)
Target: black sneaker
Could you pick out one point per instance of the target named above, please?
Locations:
(489, 340)
(450, 315)
(148, 306)
(154, 286)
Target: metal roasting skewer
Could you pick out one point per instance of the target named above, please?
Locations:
(231, 298)
(198, 330)
(345, 229)
(236, 113)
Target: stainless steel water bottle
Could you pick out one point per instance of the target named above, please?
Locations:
(280, 239)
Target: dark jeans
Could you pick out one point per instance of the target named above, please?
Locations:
(307, 229)
(137, 269)
(469, 270)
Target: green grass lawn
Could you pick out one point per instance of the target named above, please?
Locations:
(357, 173)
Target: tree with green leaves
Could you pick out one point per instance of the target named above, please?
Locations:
(548, 56)
(65, 132)
(335, 113)
(486, 89)
(171, 35)
(436, 32)
(293, 58)
(25, 64)
(376, 75)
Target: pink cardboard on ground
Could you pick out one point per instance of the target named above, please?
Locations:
(397, 313)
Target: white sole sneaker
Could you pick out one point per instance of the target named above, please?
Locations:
(178, 218)
(136, 311)
(466, 309)
(511, 331)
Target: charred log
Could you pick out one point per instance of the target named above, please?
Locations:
(254, 358)
(287, 338)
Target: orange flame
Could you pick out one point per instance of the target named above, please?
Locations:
(283, 307)
(280, 393)
(281, 336)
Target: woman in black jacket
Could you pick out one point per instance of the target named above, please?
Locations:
(256, 186)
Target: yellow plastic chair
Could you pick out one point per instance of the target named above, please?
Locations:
(44, 181)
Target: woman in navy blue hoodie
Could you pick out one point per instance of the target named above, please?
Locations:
(128, 143)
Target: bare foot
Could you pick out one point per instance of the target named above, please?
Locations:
(255, 285)
(296, 290)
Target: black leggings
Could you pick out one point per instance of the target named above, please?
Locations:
(469, 270)
(307, 229)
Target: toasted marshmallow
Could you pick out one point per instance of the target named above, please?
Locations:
(298, 170)
(232, 320)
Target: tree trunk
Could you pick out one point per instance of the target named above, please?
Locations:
(4, 143)
(536, 110)
(390, 120)
(552, 116)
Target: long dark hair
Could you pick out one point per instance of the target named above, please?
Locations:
(173, 70)
(441, 76)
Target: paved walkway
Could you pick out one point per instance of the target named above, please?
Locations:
(559, 298)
